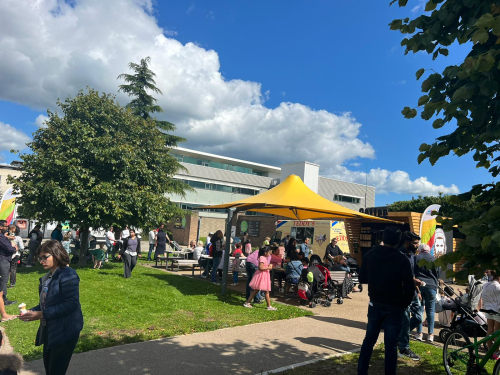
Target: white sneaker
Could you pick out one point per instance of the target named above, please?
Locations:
(430, 338)
(418, 336)
(234, 284)
(28, 265)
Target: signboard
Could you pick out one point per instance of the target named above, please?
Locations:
(180, 223)
(252, 227)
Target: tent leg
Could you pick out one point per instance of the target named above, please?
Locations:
(227, 248)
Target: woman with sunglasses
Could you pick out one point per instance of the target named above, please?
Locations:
(59, 311)
(130, 250)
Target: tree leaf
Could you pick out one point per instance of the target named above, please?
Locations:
(423, 99)
(431, 5)
(443, 51)
(486, 20)
(419, 73)
(480, 36)
(485, 242)
(488, 88)
(438, 123)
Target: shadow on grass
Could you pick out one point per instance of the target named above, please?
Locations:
(162, 356)
(192, 287)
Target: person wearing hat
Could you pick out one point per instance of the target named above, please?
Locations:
(57, 233)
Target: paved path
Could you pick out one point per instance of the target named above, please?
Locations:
(238, 350)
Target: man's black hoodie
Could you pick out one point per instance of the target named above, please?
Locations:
(389, 277)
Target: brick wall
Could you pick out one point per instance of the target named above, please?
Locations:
(211, 224)
(183, 235)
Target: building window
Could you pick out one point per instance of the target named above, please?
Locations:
(344, 198)
(213, 164)
(223, 188)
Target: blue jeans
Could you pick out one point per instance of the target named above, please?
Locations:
(412, 318)
(235, 277)
(215, 267)
(429, 300)
(251, 269)
(389, 319)
(109, 251)
(151, 249)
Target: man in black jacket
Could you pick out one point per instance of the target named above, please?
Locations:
(390, 288)
(413, 313)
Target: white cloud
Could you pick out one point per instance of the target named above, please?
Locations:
(190, 9)
(40, 121)
(211, 15)
(415, 9)
(12, 138)
(356, 164)
(399, 181)
(51, 50)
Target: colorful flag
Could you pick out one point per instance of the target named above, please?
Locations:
(8, 206)
(428, 226)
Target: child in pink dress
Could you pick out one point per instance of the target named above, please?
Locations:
(261, 280)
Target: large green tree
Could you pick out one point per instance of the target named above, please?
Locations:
(139, 86)
(465, 96)
(97, 164)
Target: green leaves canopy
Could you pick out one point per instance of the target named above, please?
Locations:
(465, 96)
(97, 165)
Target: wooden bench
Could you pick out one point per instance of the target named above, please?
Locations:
(185, 262)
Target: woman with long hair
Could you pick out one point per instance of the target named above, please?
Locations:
(130, 251)
(59, 310)
(291, 249)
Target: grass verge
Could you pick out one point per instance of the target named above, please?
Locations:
(431, 362)
(150, 305)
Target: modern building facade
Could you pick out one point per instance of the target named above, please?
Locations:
(7, 170)
(217, 179)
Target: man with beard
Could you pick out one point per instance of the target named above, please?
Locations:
(413, 314)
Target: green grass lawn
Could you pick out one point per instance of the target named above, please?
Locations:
(151, 304)
(431, 362)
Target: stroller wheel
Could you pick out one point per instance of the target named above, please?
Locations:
(329, 298)
(443, 334)
(328, 304)
(312, 305)
(303, 302)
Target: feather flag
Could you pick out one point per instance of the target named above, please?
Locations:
(8, 206)
(428, 226)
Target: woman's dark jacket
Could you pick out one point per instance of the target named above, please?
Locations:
(125, 245)
(63, 312)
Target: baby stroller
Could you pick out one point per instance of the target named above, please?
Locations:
(354, 267)
(315, 286)
(466, 317)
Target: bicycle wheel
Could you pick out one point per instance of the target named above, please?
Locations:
(496, 369)
(457, 353)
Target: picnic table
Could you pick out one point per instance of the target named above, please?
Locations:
(171, 258)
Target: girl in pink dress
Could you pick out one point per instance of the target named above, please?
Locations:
(261, 280)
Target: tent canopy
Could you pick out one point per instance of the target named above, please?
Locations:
(293, 199)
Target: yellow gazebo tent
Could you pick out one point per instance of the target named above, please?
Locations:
(293, 199)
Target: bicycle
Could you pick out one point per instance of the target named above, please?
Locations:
(460, 356)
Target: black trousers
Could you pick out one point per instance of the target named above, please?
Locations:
(13, 271)
(56, 360)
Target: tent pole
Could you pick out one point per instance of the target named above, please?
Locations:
(227, 249)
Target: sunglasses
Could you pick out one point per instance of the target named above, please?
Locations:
(45, 257)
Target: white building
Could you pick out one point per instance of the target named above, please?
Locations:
(218, 179)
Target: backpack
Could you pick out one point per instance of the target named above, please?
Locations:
(210, 250)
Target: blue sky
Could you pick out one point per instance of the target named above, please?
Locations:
(339, 57)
